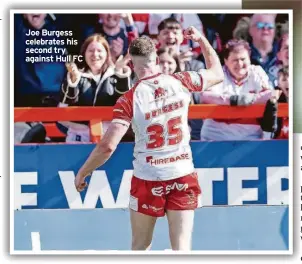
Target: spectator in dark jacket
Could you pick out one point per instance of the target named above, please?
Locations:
(264, 46)
(98, 83)
(36, 83)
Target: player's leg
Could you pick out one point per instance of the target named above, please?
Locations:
(182, 200)
(180, 228)
(142, 230)
(146, 204)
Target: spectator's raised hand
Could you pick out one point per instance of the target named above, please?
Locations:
(128, 19)
(184, 57)
(73, 71)
(117, 47)
(121, 64)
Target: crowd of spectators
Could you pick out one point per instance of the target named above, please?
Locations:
(253, 49)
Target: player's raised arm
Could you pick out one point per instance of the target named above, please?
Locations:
(214, 73)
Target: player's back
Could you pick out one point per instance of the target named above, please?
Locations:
(159, 106)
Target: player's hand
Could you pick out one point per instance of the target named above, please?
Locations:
(193, 34)
(80, 183)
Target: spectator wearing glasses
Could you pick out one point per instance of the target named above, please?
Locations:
(264, 47)
(244, 84)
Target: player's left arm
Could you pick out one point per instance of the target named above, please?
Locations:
(101, 153)
(204, 79)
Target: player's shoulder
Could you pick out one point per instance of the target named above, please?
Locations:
(126, 97)
(189, 79)
(184, 74)
(138, 87)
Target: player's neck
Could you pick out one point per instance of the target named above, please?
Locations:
(148, 74)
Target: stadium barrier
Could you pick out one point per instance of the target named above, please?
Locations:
(245, 194)
(95, 115)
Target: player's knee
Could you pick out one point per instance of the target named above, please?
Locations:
(181, 240)
(181, 243)
(141, 243)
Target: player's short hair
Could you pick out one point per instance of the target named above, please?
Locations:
(233, 44)
(169, 23)
(142, 46)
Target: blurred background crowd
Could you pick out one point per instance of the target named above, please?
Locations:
(253, 49)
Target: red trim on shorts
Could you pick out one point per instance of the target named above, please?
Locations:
(154, 198)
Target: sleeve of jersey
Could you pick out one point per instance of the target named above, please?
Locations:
(122, 111)
(191, 80)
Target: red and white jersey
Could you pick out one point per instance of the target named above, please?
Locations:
(256, 82)
(157, 108)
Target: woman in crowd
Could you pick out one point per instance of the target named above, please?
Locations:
(167, 62)
(244, 84)
(98, 82)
